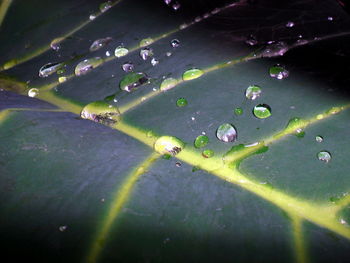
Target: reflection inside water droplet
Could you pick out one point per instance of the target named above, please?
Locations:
(154, 62)
(324, 156)
(101, 112)
(87, 65)
(33, 92)
(49, 69)
(133, 80)
(145, 53)
(168, 83)
(192, 74)
(175, 43)
(100, 43)
(278, 72)
(226, 133)
(262, 111)
(319, 138)
(253, 92)
(121, 51)
(128, 67)
(168, 145)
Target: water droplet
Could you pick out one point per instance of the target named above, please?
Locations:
(201, 141)
(319, 116)
(33, 92)
(61, 71)
(49, 69)
(253, 92)
(319, 138)
(146, 42)
(128, 67)
(192, 74)
(181, 102)
(56, 43)
(168, 83)
(167, 2)
(62, 228)
(183, 26)
(226, 133)
(121, 51)
(295, 126)
(87, 65)
(262, 111)
(150, 134)
(105, 6)
(175, 43)
(154, 62)
(176, 6)
(100, 43)
(145, 53)
(279, 72)
(168, 54)
(101, 112)
(108, 54)
(330, 18)
(290, 24)
(251, 40)
(208, 153)
(168, 145)
(324, 156)
(133, 80)
(215, 11)
(334, 110)
(238, 111)
(62, 79)
(178, 164)
(275, 49)
(92, 16)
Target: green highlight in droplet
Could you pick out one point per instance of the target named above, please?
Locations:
(146, 42)
(169, 145)
(121, 51)
(87, 65)
(181, 102)
(133, 80)
(192, 74)
(262, 111)
(168, 83)
(238, 111)
(208, 153)
(101, 112)
(296, 123)
(201, 141)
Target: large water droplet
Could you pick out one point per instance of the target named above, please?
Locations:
(105, 6)
(262, 111)
(226, 133)
(175, 43)
(133, 80)
(181, 102)
(87, 65)
(121, 51)
(128, 67)
(319, 138)
(33, 92)
(168, 83)
(145, 53)
(101, 112)
(146, 42)
(253, 92)
(169, 145)
(100, 43)
(50, 68)
(278, 72)
(192, 74)
(208, 153)
(201, 141)
(324, 156)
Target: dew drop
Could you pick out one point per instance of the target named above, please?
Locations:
(168, 54)
(262, 111)
(176, 6)
(100, 43)
(275, 49)
(168, 145)
(167, 2)
(49, 69)
(319, 138)
(178, 164)
(201, 141)
(175, 43)
(226, 133)
(133, 80)
(145, 53)
(56, 43)
(253, 92)
(128, 67)
(278, 72)
(33, 92)
(324, 156)
(208, 153)
(290, 24)
(330, 18)
(101, 112)
(168, 83)
(238, 111)
(251, 40)
(334, 110)
(62, 79)
(108, 54)
(87, 65)
(105, 6)
(295, 125)
(62, 228)
(92, 16)
(154, 62)
(146, 42)
(183, 26)
(121, 51)
(192, 74)
(181, 102)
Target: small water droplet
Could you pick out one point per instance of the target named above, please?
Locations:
(197, 19)
(145, 53)
(101, 112)
(330, 18)
(183, 26)
(62, 228)
(49, 69)
(168, 83)
(215, 11)
(133, 80)
(226, 133)
(150, 134)
(201, 141)
(290, 24)
(176, 6)
(121, 51)
(154, 62)
(319, 116)
(262, 111)
(192, 74)
(62, 79)
(238, 111)
(87, 65)
(278, 72)
(324, 156)
(251, 40)
(319, 138)
(253, 92)
(193, 118)
(103, 200)
(334, 110)
(105, 6)
(175, 43)
(33, 92)
(168, 145)
(108, 54)
(208, 153)
(168, 54)
(146, 42)
(178, 164)
(100, 43)
(128, 67)
(56, 43)
(181, 102)
(167, 2)
(92, 16)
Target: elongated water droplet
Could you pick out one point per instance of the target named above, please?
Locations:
(100, 43)
(146, 42)
(334, 110)
(253, 92)
(121, 51)
(324, 156)
(33, 92)
(133, 80)
(290, 24)
(154, 62)
(101, 112)
(275, 49)
(278, 72)
(87, 65)
(238, 111)
(295, 125)
(262, 111)
(168, 83)
(105, 6)
(56, 43)
(208, 153)
(175, 43)
(226, 133)
(49, 69)
(181, 102)
(319, 138)
(145, 53)
(192, 74)
(330, 18)
(128, 67)
(201, 141)
(169, 145)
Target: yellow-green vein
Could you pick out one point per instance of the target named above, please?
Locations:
(4, 6)
(299, 240)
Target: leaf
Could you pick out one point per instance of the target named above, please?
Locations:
(77, 190)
